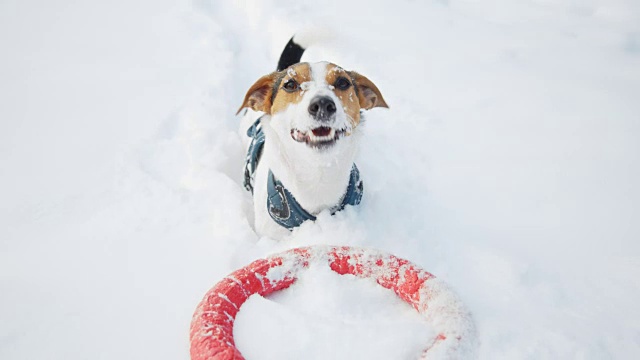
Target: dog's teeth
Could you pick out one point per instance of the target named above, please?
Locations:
(327, 137)
(298, 135)
(311, 139)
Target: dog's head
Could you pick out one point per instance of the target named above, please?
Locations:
(313, 105)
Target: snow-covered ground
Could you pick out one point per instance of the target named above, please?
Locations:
(507, 165)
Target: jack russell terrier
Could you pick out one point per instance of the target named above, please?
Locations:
(300, 159)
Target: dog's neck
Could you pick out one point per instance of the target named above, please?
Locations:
(317, 179)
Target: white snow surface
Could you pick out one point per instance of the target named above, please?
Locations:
(507, 166)
(329, 316)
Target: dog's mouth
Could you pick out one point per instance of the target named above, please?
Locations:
(320, 137)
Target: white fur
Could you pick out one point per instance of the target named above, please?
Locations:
(317, 178)
(313, 36)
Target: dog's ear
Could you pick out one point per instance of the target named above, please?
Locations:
(258, 97)
(368, 93)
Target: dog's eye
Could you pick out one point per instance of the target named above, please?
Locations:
(342, 83)
(290, 86)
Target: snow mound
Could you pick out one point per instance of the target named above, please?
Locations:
(325, 315)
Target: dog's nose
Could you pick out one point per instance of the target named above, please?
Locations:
(322, 107)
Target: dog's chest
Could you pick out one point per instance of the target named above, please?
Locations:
(296, 194)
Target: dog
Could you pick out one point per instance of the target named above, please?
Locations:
(300, 159)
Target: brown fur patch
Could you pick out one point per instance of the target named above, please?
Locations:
(368, 93)
(300, 73)
(348, 97)
(362, 94)
(258, 96)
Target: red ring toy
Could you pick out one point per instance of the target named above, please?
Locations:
(212, 324)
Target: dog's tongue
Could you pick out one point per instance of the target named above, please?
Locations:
(321, 131)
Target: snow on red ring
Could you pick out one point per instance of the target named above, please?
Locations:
(212, 324)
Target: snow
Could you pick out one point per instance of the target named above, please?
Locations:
(353, 318)
(507, 166)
